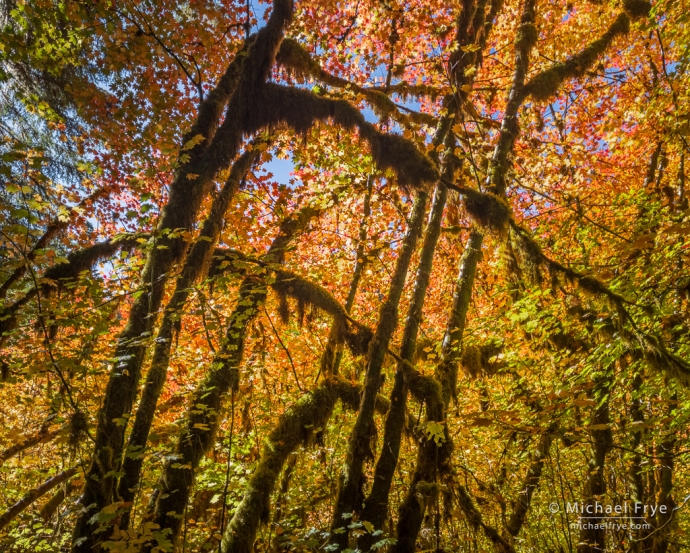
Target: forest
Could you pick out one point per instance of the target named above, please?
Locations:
(344, 276)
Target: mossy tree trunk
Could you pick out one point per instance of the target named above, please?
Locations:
(592, 537)
(412, 509)
(312, 411)
(375, 508)
(530, 484)
(295, 427)
(201, 419)
(195, 265)
(349, 497)
(219, 145)
(168, 247)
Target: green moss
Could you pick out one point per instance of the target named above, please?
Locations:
(488, 210)
(546, 84)
(526, 36)
(301, 109)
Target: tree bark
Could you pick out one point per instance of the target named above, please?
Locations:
(375, 508)
(29, 441)
(190, 185)
(592, 538)
(205, 405)
(351, 479)
(295, 426)
(195, 266)
(48, 510)
(531, 483)
(411, 513)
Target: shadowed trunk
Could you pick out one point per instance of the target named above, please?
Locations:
(351, 479)
(186, 195)
(411, 514)
(531, 483)
(375, 508)
(312, 411)
(295, 426)
(665, 522)
(195, 266)
(593, 538)
(201, 419)
(191, 184)
(48, 510)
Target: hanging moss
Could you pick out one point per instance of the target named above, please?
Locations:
(308, 293)
(296, 426)
(476, 359)
(545, 84)
(78, 425)
(488, 210)
(358, 338)
(299, 62)
(300, 109)
(532, 257)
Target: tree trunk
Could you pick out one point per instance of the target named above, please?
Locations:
(375, 509)
(522, 505)
(351, 478)
(411, 512)
(664, 522)
(205, 405)
(295, 426)
(180, 212)
(48, 510)
(195, 266)
(192, 182)
(592, 538)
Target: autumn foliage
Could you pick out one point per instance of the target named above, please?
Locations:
(344, 276)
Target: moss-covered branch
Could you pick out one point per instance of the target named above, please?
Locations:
(53, 228)
(33, 495)
(541, 87)
(294, 427)
(375, 508)
(546, 83)
(301, 109)
(294, 57)
(60, 274)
